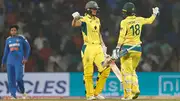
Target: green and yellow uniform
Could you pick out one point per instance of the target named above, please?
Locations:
(92, 53)
(130, 32)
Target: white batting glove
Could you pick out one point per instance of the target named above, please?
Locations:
(115, 54)
(76, 15)
(155, 10)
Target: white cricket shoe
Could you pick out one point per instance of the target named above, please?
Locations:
(24, 96)
(12, 98)
(91, 98)
(128, 98)
(100, 97)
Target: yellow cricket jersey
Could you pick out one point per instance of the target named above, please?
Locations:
(130, 29)
(90, 28)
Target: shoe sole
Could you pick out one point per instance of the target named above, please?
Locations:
(100, 99)
(90, 99)
(136, 95)
(126, 99)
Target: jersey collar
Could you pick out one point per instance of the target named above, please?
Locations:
(90, 17)
(14, 35)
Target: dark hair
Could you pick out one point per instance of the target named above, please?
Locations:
(14, 26)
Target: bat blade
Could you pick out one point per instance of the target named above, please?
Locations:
(116, 71)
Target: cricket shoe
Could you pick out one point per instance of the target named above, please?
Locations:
(91, 98)
(100, 97)
(24, 96)
(128, 98)
(135, 96)
(13, 98)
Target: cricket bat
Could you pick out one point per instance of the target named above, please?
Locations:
(116, 71)
(109, 59)
(111, 62)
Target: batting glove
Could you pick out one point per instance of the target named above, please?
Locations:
(76, 15)
(115, 54)
(155, 10)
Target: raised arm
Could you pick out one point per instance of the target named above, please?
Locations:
(76, 22)
(149, 20)
(153, 16)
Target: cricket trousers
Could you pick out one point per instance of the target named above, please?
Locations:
(15, 73)
(129, 63)
(93, 53)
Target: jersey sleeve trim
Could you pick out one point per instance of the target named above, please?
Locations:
(84, 28)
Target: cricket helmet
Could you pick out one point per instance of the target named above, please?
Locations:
(91, 5)
(129, 9)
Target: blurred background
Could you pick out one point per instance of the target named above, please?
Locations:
(56, 45)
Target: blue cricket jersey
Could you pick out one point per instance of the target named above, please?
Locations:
(16, 49)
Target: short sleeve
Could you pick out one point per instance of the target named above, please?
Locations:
(82, 19)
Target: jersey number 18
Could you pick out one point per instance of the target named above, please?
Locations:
(135, 29)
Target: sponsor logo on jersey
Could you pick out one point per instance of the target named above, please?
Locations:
(14, 45)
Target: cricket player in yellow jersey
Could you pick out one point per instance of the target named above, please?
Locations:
(130, 32)
(93, 50)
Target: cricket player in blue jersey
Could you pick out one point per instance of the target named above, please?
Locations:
(16, 53)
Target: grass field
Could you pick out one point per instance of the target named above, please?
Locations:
(146, 98)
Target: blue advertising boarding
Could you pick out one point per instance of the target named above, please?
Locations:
(151, 84)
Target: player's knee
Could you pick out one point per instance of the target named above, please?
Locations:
(128, 79)
(105, 73)
(88, 75)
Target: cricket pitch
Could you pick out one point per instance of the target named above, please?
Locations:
(144, 98)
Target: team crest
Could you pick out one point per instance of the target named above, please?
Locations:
(95, 27)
